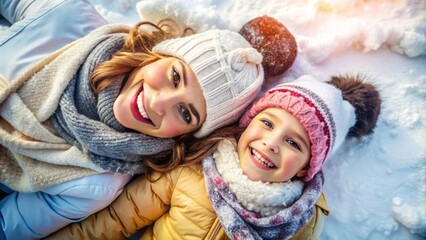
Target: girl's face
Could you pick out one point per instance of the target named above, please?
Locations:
(274, 147)
(162, 99)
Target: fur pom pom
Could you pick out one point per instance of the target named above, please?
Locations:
(366, 100)
(272, 39)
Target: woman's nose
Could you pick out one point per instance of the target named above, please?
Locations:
(160, 103)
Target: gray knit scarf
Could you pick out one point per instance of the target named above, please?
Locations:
(240, 223)
(87, 121)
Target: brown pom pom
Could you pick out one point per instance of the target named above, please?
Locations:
(272, 39)
(366, 100)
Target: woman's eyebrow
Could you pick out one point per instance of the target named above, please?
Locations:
(192, 108)
(195, 113)
(183, 71)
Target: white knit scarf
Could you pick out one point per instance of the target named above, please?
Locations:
(264, 198)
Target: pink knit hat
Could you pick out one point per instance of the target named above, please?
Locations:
(320, 108)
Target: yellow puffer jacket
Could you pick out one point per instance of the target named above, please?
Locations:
(174, 205)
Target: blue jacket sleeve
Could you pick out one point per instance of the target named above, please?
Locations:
(35, 29)
(38, 214)
(40, 27)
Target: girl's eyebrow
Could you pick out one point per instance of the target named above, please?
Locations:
(298, 136)
(192, 108)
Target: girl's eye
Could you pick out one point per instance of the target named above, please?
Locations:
(267, 123)
(294, 144)
(175, 76)
(185, 114)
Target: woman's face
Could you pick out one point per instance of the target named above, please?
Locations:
(274, 147)
(163, 99)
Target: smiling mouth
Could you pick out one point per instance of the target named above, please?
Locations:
(141, 107)
(138, 108)
(258, 157)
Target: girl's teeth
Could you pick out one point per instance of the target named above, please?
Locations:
(140, 106)
(261, 160)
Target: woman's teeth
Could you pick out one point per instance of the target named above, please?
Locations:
(141, 107)
(261, 160)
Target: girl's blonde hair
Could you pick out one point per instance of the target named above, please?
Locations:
(136, 53)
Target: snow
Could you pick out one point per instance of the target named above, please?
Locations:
(375, 186)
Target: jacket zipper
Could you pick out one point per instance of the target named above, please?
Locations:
(216, 231)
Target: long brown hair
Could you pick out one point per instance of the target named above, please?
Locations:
(136, 53)
(190, 150)
(198, 149)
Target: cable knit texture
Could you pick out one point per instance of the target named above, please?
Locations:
(241, 223)
(32, 155)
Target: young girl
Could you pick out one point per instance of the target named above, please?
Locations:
(111, 102)
(264, 187)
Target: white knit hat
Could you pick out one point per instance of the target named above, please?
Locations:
(228, 69)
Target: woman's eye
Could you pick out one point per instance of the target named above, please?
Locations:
(267, 123)
(294, 144)
(185, 114)
(175, 76)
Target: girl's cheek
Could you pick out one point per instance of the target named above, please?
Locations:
(249, 133)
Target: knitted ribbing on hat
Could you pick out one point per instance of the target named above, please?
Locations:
(87, 121)
(240, 223)
(228, 70)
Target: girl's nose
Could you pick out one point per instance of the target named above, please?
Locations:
(271, 144)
